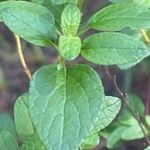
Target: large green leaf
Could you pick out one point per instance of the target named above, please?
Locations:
(25, 127)
(69, 47)
(113, 49)
(7, 141)
(109, 110)
(7, 123)
(145, 3)
(70, 20)
(117, 16)
(59, 2)
(32, 143)
(128, 65)
(56, 10)
(30, 21)
(64, 104)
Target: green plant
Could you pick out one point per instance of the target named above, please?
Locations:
(66, 107)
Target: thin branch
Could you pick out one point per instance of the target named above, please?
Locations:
(124, 98)
(145, 36)
(21, 57)
(147, 104)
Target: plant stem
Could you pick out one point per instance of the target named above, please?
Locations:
(128, 80)
(145, 37)
(83, 30)
(61, 61)
(80, 3)
(124, 98)
(147, 104)
(21, 57)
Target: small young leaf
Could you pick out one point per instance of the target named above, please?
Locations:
(70, 20)
(113, 49)
(30, 21)
(69, 47)
(90, 142)
(25, 127)
(63, 105)
(7, 141)
(118, 16)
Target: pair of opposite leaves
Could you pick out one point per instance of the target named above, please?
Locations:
(69, 43)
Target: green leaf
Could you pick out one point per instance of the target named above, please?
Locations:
(106, 132)
(90, 142)
(7, 141)
(109, 110)
(113, 49)
(147, 118)
(23, 121)
(145, 3)
(7, 123)
(136, 104)
(128, 65)
(132, 133)
(69, 47)
(30, 21)
(135, 34)
(32, 143)
(63, 105)
(55, 10)
(25, 126)
(59, 2)
(127, 119)
(118, 16)
(148, 148)
(114, 139)
(70, 20)
(120, 1)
